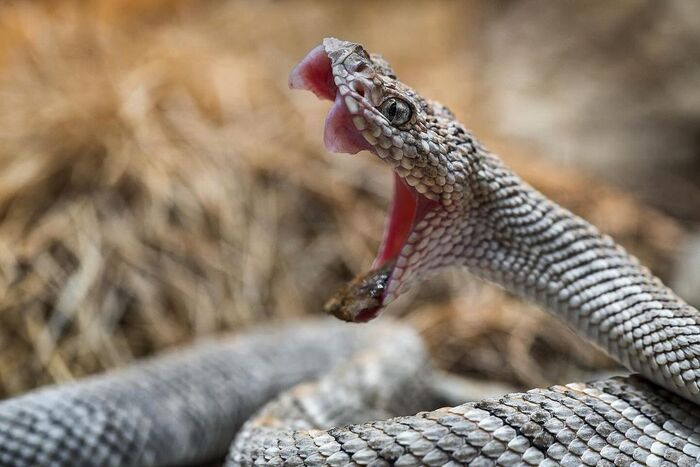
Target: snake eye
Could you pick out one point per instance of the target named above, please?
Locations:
(396, 110)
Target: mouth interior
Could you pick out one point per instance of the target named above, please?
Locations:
(408, 207)
(402, 217)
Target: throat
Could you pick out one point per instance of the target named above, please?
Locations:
(407, 209)
(402, 217)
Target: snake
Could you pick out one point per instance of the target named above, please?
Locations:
(329, 393)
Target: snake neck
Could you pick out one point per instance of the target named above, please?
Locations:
(513, 236)
(457, 204)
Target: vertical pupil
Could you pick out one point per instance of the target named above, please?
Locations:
(391, 111)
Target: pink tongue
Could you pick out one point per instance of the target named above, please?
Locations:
(340, 134)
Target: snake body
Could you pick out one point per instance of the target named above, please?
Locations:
(468, 209)
(185, 408)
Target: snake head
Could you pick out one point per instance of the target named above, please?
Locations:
(423, 144)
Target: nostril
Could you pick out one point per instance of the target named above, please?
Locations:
(358, 88)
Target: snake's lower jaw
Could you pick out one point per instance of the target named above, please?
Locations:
(361, 299)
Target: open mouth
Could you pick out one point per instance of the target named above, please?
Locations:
(364, 297)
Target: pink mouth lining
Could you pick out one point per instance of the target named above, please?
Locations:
(340, 134)
(402, 217)
(314, 74)
(408, 207)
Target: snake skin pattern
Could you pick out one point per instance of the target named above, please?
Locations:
(617, 422)
(484, 217)
(472, 211)
(184, 409)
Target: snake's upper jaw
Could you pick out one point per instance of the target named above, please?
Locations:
(314, 74)
(363, 298)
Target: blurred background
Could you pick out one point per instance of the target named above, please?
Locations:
(159, 182)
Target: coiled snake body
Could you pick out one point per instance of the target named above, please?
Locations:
(454, 204)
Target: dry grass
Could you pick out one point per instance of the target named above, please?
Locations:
(159, 182)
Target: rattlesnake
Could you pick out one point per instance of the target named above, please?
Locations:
(454, 204)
